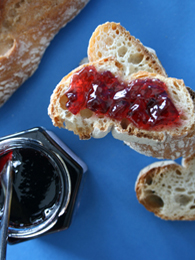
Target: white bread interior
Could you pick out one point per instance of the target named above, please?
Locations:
(112, 39)
(168, 189)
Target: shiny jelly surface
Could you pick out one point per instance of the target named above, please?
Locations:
(4, 159)
(35, 187)
(144, 102)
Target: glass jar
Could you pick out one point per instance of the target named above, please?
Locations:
(46, 183)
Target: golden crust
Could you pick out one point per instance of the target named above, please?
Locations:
(170, 148)
(26, 29)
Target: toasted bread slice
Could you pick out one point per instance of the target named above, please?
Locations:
(26, 29)
(111, 39)
(168, 189)
(166, 141)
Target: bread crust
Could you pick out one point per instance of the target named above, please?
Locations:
(26, 29)
(164, 143)
(167, 189)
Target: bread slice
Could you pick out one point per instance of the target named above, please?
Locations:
(111, 39)
(168, 189)
(85, 124)
(26, 29)
(165, 142)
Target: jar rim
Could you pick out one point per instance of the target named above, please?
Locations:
(63, 197)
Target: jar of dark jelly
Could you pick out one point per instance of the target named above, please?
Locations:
(47, 180)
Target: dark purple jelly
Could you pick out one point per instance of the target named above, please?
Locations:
(35, 187)
(47, 177)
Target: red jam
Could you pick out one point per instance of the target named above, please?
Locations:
(144, 102)
(4, 159)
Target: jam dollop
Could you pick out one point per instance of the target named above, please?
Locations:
(144, 102)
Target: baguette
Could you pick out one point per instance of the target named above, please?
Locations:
(111, 39)
(166, 142)
(26, 29)
(168, 189)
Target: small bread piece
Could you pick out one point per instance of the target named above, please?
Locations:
(26, 29)
(111, 39)
(173, 142)
(168, 189)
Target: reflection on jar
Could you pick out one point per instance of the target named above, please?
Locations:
(47, 177)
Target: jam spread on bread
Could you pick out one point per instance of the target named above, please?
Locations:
(144, 102)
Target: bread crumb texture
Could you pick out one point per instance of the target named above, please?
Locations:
(168, 189)
(112, 48)
(111, 39)
(26, 29)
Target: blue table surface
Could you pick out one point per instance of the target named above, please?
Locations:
(110, 223)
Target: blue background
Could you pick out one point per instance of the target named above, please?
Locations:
(110, 223)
